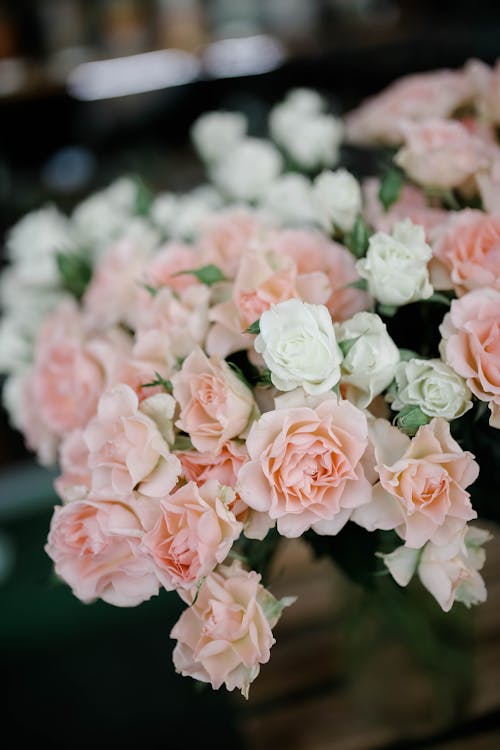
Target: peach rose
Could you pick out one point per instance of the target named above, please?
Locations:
(411, 204)
(168, 262)
(226, 238)
(469, 250)
(37, 433)
(415, 97)
(127, 450)
(440, 153)
(67, 378)
(313, 253)
(471, 345)
(264, 278)
(225, 636)
(195, 531)
(215, 404)
(421, 492)
(96, 549)
(305, 467)
(74, 482)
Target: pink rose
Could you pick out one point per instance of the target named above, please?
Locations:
(226, 238)
(471, 345)
(113, 293)
(440, 153)
(421, 492)
(314, 254)
(168, 262)
(215, 404)
(67, 378)
(485, 83)
(127, 451)
(37, 433)
(305, 467)
(469, 250)
(195, 531)
(225, 636)
(416, 97)
(488, 184)
(74, 482)
(223, 466)
(96, 549)
(411, 204)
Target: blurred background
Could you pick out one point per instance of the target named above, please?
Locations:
(93, 89)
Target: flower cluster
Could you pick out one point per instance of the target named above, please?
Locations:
(219, 370)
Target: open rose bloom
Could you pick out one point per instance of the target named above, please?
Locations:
(274, 355)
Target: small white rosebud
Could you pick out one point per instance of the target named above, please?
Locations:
(395, 265)
(215, 133)
(247, 170)
(337, 199)
(289, 200)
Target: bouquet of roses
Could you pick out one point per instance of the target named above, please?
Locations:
(282, 352)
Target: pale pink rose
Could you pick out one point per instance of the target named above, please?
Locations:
(171, 325)
(194, 533)
(411, 204)
(488, 184)
(441, 153)
(451, 573)
(96, 549)
(116, 285)
(415, 97)
(227, 236)
(224, 466)
(305, 467)
(264, 278)
(74, 482)
(469, 250)
(215, 404)
(313, 253)
(165, 267)
(127, 450)
(471, 345)
(225, 636)
(422, 488)
(485, 83)
(67, 377)
(37, 433)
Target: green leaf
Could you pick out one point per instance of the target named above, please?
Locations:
(182, 443)
(159, 380)
(346, 345)
(208, 275)
(389, 311)
(265, 378)
(410, 418)
(358, 238)
(359, 284)
(143, 198)
(254, 328)
(239, 373)
(390, 188)
(75, 271)
(153, 290)
(406, 354)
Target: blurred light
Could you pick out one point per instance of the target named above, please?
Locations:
(134, 74)
(69, 169)
(13, 76)
(243, 56)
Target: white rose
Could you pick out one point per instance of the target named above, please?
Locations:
(450, 572)
(180, 217)
(289, 200)
(16, 345)
(433, 386)
(216, 132)
(297, 342)
(337, 199)
(396, 265)
(100, 217)
(369, 365)
(13, 400)
(248, 169)
(307, 101)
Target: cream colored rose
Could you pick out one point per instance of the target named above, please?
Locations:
(247, 169)
(370, 363)
(433, 386)
(297, 341)
(337, 199)
(396, 265)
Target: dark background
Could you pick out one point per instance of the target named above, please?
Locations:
(80, 675)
